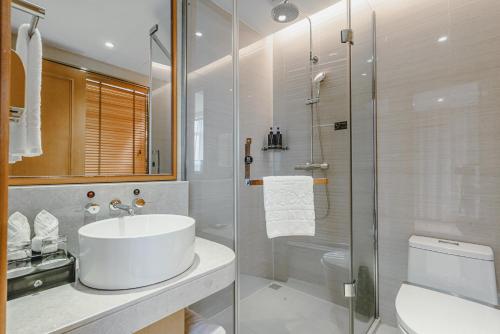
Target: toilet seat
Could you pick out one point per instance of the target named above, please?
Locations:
(424, 311)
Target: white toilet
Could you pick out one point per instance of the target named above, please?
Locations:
(451, 288)
(336, 272)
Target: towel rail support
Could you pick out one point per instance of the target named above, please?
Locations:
(260, 182)
(32, 9)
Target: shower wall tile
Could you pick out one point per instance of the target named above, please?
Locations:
(438, 129)
(67, 202)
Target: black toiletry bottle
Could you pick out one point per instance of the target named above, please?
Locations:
(275, 140)
(270, 138)
(279, 138)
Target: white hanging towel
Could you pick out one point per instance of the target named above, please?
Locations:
(289, 205)
(26, 135)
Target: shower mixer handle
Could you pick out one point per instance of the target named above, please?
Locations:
(312, 101)
(310, 166)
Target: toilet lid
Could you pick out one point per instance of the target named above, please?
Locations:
(424, 311)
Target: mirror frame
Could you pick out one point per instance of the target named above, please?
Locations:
(54, 180)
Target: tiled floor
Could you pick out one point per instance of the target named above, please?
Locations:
(294, 307)
(279, 309)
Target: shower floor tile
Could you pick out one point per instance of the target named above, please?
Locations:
(280, 309)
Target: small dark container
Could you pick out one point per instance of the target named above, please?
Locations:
(41, 276)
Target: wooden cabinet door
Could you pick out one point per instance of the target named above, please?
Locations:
(63, 124)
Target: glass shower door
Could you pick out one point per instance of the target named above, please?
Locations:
(293, 77)
(363, 166)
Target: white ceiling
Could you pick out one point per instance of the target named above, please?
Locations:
(83, 26)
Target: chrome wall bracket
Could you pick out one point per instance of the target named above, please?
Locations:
(346, 36)
(350, 290)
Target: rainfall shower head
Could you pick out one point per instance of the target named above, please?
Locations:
(285, 12)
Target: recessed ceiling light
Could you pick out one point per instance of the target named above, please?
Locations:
(364, 74)
(442, 39)
(198, 33)
(282, 18)
(440, 99)
(109, 45)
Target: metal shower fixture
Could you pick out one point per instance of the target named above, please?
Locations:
(285, 12)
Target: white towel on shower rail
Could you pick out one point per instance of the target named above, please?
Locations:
(26, 137)
(289, 205)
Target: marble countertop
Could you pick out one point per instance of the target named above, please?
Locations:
(76, 308)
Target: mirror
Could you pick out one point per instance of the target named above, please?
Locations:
(99, 99)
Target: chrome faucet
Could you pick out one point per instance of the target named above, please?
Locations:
(116, 205)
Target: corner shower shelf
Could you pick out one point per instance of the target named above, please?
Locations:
(274, 148)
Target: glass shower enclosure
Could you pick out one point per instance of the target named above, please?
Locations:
(306, 69)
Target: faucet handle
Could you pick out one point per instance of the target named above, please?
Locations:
(139, 203)
(114, 203)
(92, 208)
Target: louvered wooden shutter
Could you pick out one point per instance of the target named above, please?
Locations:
(115, 136)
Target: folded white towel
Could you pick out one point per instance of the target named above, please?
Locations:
(196, 324)
(46, 225)
(19, 228)
(26, 135)
(289, 205)
(19, 231)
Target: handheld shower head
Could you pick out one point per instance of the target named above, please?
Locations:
(285, 12)
(319, 77)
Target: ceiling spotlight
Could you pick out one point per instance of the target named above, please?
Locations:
(198, 33)
(109, 45)
(442, 39)
(440, 99)
(282, 18)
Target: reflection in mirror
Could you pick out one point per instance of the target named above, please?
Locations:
(98, 89)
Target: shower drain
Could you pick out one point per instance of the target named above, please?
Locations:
(275, 286)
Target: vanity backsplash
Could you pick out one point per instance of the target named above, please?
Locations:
(67, 202)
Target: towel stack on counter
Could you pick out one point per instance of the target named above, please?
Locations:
(196, 324)
(19, 231)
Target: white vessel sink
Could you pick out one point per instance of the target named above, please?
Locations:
(135, 251)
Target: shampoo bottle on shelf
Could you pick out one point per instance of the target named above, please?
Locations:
(279, 137)
(270, 138)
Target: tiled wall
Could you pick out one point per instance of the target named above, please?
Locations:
(67, 202)
(438, 128)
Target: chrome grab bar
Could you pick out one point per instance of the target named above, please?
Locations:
(310, 166)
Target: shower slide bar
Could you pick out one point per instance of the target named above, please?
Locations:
(260, 182)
